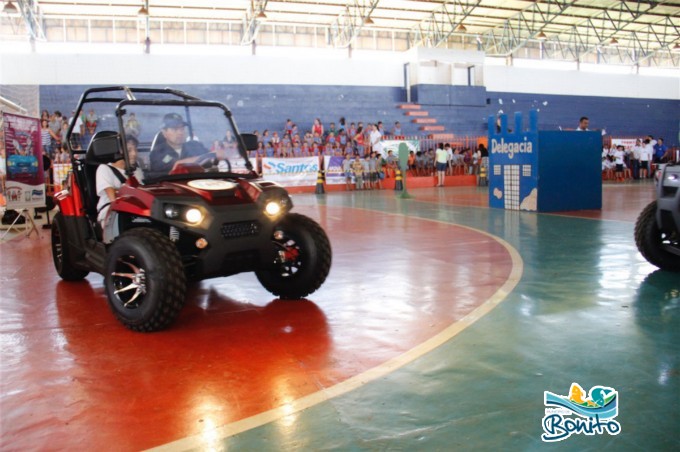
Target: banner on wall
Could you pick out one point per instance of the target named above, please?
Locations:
(393, 145)
(333, 166)
(60, 173)
(25, 178)
(627, 143)
(295, 172)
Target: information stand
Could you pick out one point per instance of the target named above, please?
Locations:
(543, 171)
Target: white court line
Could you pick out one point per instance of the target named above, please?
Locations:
(210, 437)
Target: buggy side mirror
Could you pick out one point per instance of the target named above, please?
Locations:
(250, 140)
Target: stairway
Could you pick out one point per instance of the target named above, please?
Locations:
(426, 124)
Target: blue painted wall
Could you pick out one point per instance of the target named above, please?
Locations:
(463, 110)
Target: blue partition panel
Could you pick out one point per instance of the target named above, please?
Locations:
(547, 171)
(569, 171)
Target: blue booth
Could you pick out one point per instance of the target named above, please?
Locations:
(543, 171)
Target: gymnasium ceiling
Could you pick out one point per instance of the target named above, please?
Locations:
(565, 29)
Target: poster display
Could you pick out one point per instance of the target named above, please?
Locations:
(294, 172)
(334, 173)
(60, 173)
(627, 143)
(393, 145)
(25, 178)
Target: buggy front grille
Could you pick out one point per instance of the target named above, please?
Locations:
(240, 229)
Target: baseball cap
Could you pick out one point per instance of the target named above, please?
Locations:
(172, 120)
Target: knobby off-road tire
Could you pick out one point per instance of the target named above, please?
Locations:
(649, 238)
(61, 252)
(144, 280)
(307, 262)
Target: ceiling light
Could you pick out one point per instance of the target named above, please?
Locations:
(541, 36)
(261, 15)
(614, 42)
(676, 48)
(368, 21)
(461, 28)
(143, 11)
(10, 9)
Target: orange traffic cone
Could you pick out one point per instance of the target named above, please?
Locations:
(319, 184)
(398, 184)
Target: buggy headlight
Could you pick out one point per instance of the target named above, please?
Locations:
(272, 208)
(275, 206)
(193, 216)
(189, 214)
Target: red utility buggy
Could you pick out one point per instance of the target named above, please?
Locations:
(196, 210)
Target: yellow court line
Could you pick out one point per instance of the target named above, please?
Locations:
(210, 437)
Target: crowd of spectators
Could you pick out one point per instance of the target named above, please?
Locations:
(622, 163)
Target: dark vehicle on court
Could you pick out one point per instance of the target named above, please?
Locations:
(189, 216)
(657, 230)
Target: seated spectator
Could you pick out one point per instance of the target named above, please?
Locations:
(412, 161)
(276, 141)
(396, 130)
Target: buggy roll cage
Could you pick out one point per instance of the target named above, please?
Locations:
(175, 98)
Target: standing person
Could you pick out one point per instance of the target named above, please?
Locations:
(645, 158)
(375, 137)
(659, 150)
(635, 159)
(347, 169)
(45, 136)
(91, 122)
(358, 170)
(476, 161)
(440, 164)
(359, 140)
(449, 158)
(583, 123)
(55, 132)
(317, 127)
(78, 130)
(619, 155)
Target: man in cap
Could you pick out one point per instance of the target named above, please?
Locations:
(171, 146)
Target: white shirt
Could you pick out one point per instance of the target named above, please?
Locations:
(106, 179)
(647, 152)
(375, 140)
(441, 156)
(618, 157)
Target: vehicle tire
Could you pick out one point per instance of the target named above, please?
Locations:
(650, 240)
(61, 252)
(303, 261)
(144, 280)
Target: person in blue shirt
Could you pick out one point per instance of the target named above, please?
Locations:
(659, 150)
